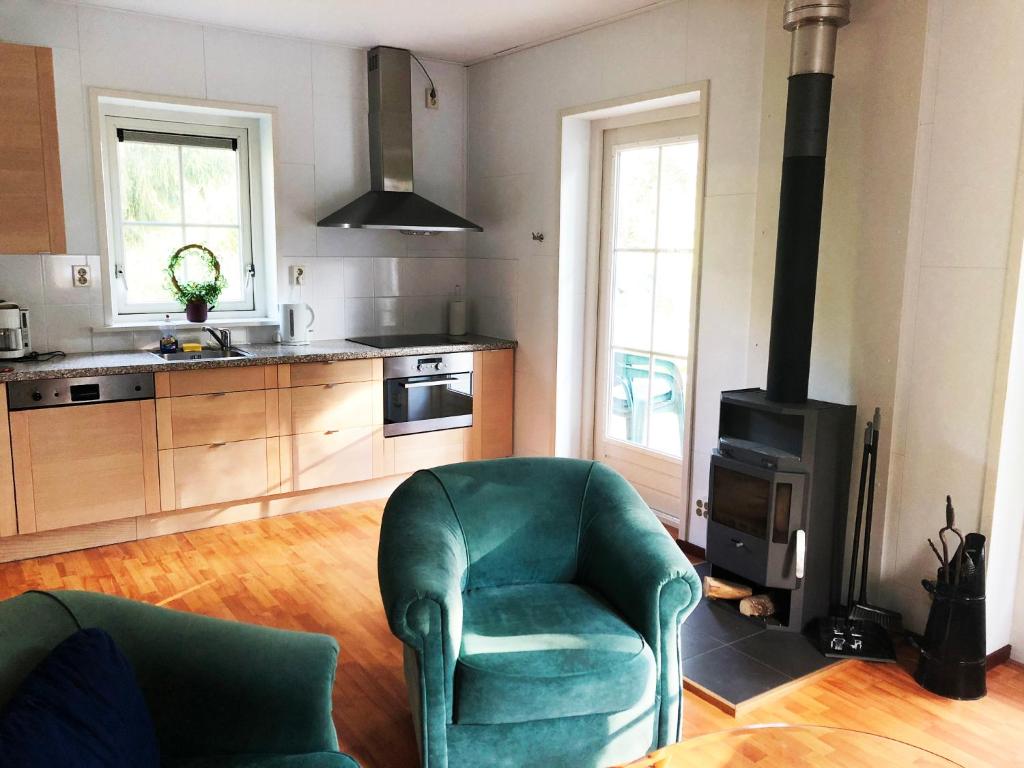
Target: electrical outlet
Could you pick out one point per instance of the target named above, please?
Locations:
(298, 274)
(432, 102)
(81, 276)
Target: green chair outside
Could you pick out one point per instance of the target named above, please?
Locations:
(220, 693)
(539, 601)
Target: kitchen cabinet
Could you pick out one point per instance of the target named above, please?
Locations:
(219, 472)
(59, 485)
(493, 376)
(31, 201)
(407, 453)
(218, 417)
(331, 423)
(8, 511)
(217, 431)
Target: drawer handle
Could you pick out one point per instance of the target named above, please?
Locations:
(737, 543)
(217, 394)
(331, 432)
(217, 445)
(328, 386)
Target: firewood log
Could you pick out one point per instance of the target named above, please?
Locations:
(725, 590)
(757, 605)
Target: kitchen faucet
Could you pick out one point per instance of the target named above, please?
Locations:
(221, 335)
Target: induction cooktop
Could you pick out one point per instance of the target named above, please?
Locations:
(398, 340)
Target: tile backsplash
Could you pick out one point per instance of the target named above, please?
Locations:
(350, 295)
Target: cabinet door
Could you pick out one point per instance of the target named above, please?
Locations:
(217, 418)
(407, 453)
(493, 374)
(330, 372)
(321, 459)
(31, 203)
(84, 464)
(329, 406)
(211, 474)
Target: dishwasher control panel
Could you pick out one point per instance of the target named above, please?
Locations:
(48, 393)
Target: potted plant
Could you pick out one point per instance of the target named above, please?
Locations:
(198, 298)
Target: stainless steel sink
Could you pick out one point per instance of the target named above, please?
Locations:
(204, 354)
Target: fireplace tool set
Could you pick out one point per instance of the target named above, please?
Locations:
(953, 659)
(864, 632)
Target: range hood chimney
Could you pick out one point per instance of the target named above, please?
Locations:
(391, 202)
(812, 61)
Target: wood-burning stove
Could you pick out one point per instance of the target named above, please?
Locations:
(779, 487)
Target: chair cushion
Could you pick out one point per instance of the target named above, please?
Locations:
(80, 707)
(313, 760)
(540, 651)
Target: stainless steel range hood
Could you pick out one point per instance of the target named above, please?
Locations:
(391, 202)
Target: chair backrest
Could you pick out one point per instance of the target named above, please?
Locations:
(520, 517)
(31, 625)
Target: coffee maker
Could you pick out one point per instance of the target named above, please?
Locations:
(14, 337)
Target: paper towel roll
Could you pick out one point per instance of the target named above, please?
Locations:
(456, 317)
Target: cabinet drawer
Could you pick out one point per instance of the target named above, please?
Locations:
(320, 459)
(210, 474)
(407, 453)
(212, 380)
(329, 406)
(335, 372)
(217, 418)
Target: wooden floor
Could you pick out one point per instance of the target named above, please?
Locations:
(317, 571)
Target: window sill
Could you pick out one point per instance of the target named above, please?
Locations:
(148, 325)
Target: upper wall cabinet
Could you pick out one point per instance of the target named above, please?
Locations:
(31, 204)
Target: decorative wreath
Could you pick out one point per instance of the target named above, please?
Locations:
(207, 292)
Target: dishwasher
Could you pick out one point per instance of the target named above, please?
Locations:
(85, 450)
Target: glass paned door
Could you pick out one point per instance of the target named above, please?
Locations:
(650, 201)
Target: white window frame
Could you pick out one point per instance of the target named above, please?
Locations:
(252, 128)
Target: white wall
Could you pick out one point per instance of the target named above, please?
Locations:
(514, 135)
(969, 139)
(358, 281)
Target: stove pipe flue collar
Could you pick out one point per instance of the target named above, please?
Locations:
(814, 26)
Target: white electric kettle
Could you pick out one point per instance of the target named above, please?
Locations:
(294, 326)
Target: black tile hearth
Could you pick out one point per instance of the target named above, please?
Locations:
(722, 624)
(732, 675)
(736, 658)
(793, 655)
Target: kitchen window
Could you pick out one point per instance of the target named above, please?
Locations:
(176, 175)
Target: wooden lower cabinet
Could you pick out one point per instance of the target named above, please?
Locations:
(329, 406)
(212, 474)
(493, 374)
(84, 464)
(407, 453)
(320, 459)
(215, 418)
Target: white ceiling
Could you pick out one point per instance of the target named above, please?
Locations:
(454, 30)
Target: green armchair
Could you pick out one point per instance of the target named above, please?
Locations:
(220, 693)
(539, 602)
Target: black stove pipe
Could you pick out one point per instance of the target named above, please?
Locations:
(814, 26)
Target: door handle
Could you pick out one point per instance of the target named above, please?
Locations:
(432, 383)
(737, 543)
(800, 554)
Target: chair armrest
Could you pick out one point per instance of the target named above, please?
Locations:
(628, 557)
(421, 564)
(218, 687)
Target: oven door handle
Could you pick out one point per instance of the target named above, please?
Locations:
(431, 383)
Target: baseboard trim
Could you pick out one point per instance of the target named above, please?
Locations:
(692, 550)
(997, 657)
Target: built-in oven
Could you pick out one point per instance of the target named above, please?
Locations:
(426, 393)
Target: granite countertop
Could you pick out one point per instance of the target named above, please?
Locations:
(109, 363)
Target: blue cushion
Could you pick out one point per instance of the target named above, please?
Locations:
(80, 707)
(542, 651)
